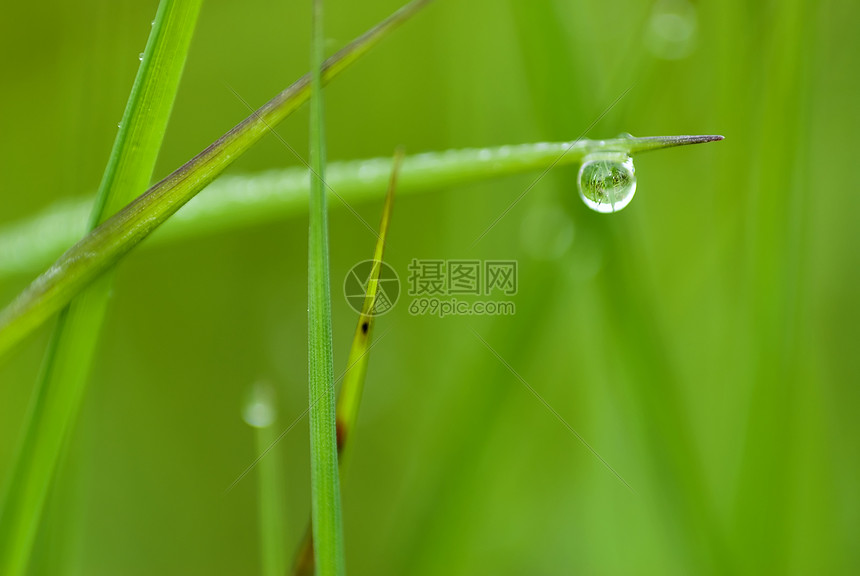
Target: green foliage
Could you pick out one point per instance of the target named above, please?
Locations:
(110, 241)
(702, 341)
(66, 367)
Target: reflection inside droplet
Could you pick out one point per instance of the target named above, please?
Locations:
(607, 181)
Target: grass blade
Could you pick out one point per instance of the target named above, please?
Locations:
(359, 353)
(261, 412)
(62, 382)
(353, 381)
(105, 245)
(238, 201)
(326, 513)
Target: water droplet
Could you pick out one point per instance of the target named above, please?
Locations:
(119, 124)
(259, 410)
(672, 29)
(152, 23)
(607, 181)
(140, 57)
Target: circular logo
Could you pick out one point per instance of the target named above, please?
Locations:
(358, 279)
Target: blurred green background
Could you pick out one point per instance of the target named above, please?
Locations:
(704, 341)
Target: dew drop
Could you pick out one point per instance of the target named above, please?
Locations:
(140, 56)
(119, 124)
(259, 410)
(607, 181)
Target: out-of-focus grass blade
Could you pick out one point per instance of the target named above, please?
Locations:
(326, 514)
(261, 412)
(353, 380)
(62, 382)
(105, 245)
(766, 522)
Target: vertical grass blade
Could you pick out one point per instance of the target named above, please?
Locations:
(353, 380)
(765, 525)
(62, 383)
(261, 412)
(325, 483)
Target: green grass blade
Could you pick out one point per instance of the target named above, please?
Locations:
(60, 389)
(238, 201)
(261, 412)
(141, 131)
(353, 380)
(105, 245)
(764, 523)
(326, 513)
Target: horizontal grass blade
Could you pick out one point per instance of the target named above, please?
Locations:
(238, 201)
(105, 245)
